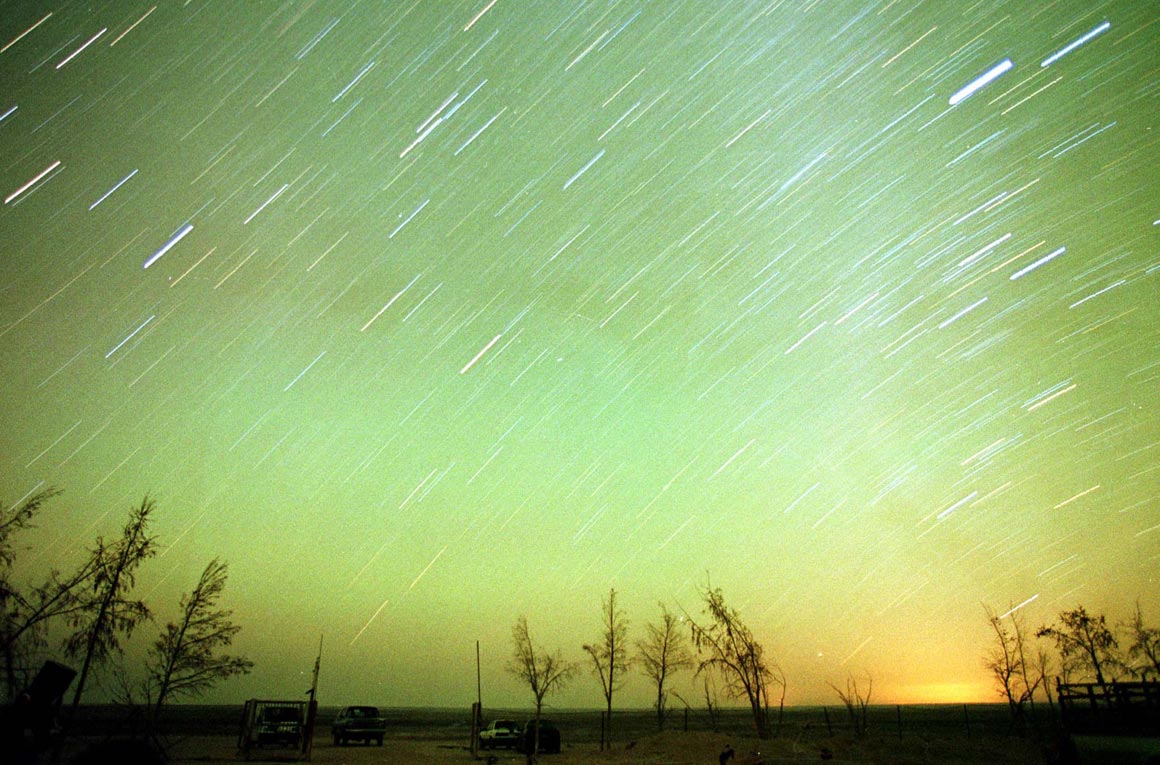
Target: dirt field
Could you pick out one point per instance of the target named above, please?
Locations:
(903, 735)
(670, 748)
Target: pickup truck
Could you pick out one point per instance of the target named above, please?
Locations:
(358, 724)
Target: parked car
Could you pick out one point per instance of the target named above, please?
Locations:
(549, 737)
(505, 733)
(280, 725)
(358, 723)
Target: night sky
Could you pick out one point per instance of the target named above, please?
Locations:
(426, 315)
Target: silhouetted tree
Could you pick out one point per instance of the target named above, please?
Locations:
(24, 613)
(1041, 667)
(13, 520)
(1084, 642)
(26, 616)
(731, 649)
(855, 701)
(1008, 663)
(610, 656)
(711, 706)
(1145, 649)
(662, 654)
(185, 659)
(778, 677)
(108, 611)
(14, 607)
(543, 672)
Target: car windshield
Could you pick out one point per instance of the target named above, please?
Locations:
(280, 714)
(363, 712)
(504, 725)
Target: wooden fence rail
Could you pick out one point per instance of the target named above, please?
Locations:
(1123, 709)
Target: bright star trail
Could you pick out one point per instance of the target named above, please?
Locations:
(982, 81)
(426, 316)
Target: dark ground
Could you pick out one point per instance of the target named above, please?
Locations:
(907, 734)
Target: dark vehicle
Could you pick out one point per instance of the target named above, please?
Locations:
(280, 725)
(30, 722)
(358, 724)
(505, 733)
(549, 737)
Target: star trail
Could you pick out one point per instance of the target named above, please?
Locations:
(427, 315)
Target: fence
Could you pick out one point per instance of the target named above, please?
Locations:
(1115, 709)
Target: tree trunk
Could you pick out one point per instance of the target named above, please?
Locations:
(10, 670)
(608, 716)
(535, 753)
(84, 673)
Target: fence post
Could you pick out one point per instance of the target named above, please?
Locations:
(898, 709)
(967, 720)
(829, 728)
(476, 719)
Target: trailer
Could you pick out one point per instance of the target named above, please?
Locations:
(268, 724)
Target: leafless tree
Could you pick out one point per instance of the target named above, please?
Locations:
(609, 657)
(711, 704)
(1085, 643)
(778, 677)
(1008, 663)
(712, 707)
(108, 611)
(727, 646)
(186, 660)
(1041, 670)
(1145, 649)
(543, 672)
(856, 701)
(662, 653)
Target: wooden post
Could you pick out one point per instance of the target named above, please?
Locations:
(476, 708)
(829, 727)
(967, 720)
(476, 716)
(898, 709)
(312, 707)
(686, 718)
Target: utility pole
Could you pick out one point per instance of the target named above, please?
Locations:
(312, 706)
(476, 708)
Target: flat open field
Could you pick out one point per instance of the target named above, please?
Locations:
(950, 734)
(669, 748)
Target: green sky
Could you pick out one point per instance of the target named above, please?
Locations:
(468, 316)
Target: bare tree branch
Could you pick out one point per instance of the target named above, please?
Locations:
(184, 660)
(108, 610)
(1145, 649)
(543, 672)
(610, 659)
(662, 654)
(1085, 643)
(728, 646)
(855, 701)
